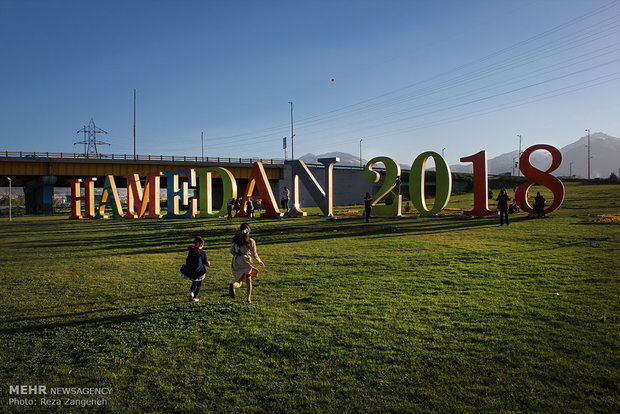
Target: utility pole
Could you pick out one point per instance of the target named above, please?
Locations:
(202, 141)
(134, 123)
(360, 153)
(292, 135)
(519, 159)
(442, 151)
(570, 169)
(284, 147)
(588, 131)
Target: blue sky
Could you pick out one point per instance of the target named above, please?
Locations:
(409, 76)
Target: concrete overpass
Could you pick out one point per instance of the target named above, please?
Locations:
(40, 172)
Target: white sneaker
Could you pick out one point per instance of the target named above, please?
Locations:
(191, 296)
(196, 300)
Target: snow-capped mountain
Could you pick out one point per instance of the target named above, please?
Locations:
(345, 158)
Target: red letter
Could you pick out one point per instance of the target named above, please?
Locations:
(541, 177)
(259, 177)
(481, 185)
(137, 199)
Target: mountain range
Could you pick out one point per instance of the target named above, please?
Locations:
(604, 159)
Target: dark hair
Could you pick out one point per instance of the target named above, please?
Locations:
(243, 237)
(198, 241)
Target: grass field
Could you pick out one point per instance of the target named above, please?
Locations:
(399, 315)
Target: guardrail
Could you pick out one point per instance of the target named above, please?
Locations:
(129, 157)
(171, 158)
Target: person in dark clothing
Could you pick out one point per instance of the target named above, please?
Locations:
(539, 205)
(237, 205)
(286, 195)
(195, 266)
(367, 206)
(502, 206)
(249, 207)
(229, 208)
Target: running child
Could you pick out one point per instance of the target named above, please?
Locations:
(195, 266)
(243, 250)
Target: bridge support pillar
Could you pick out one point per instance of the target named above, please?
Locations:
(40, 195)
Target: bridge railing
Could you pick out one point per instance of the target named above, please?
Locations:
(129, 157)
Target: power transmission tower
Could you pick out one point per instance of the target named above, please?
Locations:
(90, 138)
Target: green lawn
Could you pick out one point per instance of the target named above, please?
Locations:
(404, 314)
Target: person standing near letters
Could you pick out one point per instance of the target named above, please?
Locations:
(286, 195)
(539, 205)
(229, 208)
(367, 206)
(502, 206)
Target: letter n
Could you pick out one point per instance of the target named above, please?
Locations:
(323, 198)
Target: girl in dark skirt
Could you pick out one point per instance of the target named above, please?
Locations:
(195, 266)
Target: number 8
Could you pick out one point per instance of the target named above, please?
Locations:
(541, 177)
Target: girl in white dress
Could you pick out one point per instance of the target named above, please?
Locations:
(243, 249)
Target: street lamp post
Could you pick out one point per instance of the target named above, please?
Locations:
(292, 135)
(442, 151)
(514, 165)
(588, 131)
(361, 153)
(134, 124)
(202, 141)
(10, 201)
(519, 171)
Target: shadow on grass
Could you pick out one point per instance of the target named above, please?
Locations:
(61, 315)
(173, 235)
(109, 320)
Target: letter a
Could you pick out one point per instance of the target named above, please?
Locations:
(109, 187)
(258, 177)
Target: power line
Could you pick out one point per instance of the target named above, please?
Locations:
(578, 37)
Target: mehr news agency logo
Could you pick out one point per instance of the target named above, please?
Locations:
(41, 395)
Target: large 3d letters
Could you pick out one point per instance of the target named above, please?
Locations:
(481, 185)
(88, 198)
(176, 194)
(137, 199)
(323, 198)
(542, 177)
(443, 183)
(392, 174)
(258, 178)
(114, 202)
(205, 201)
